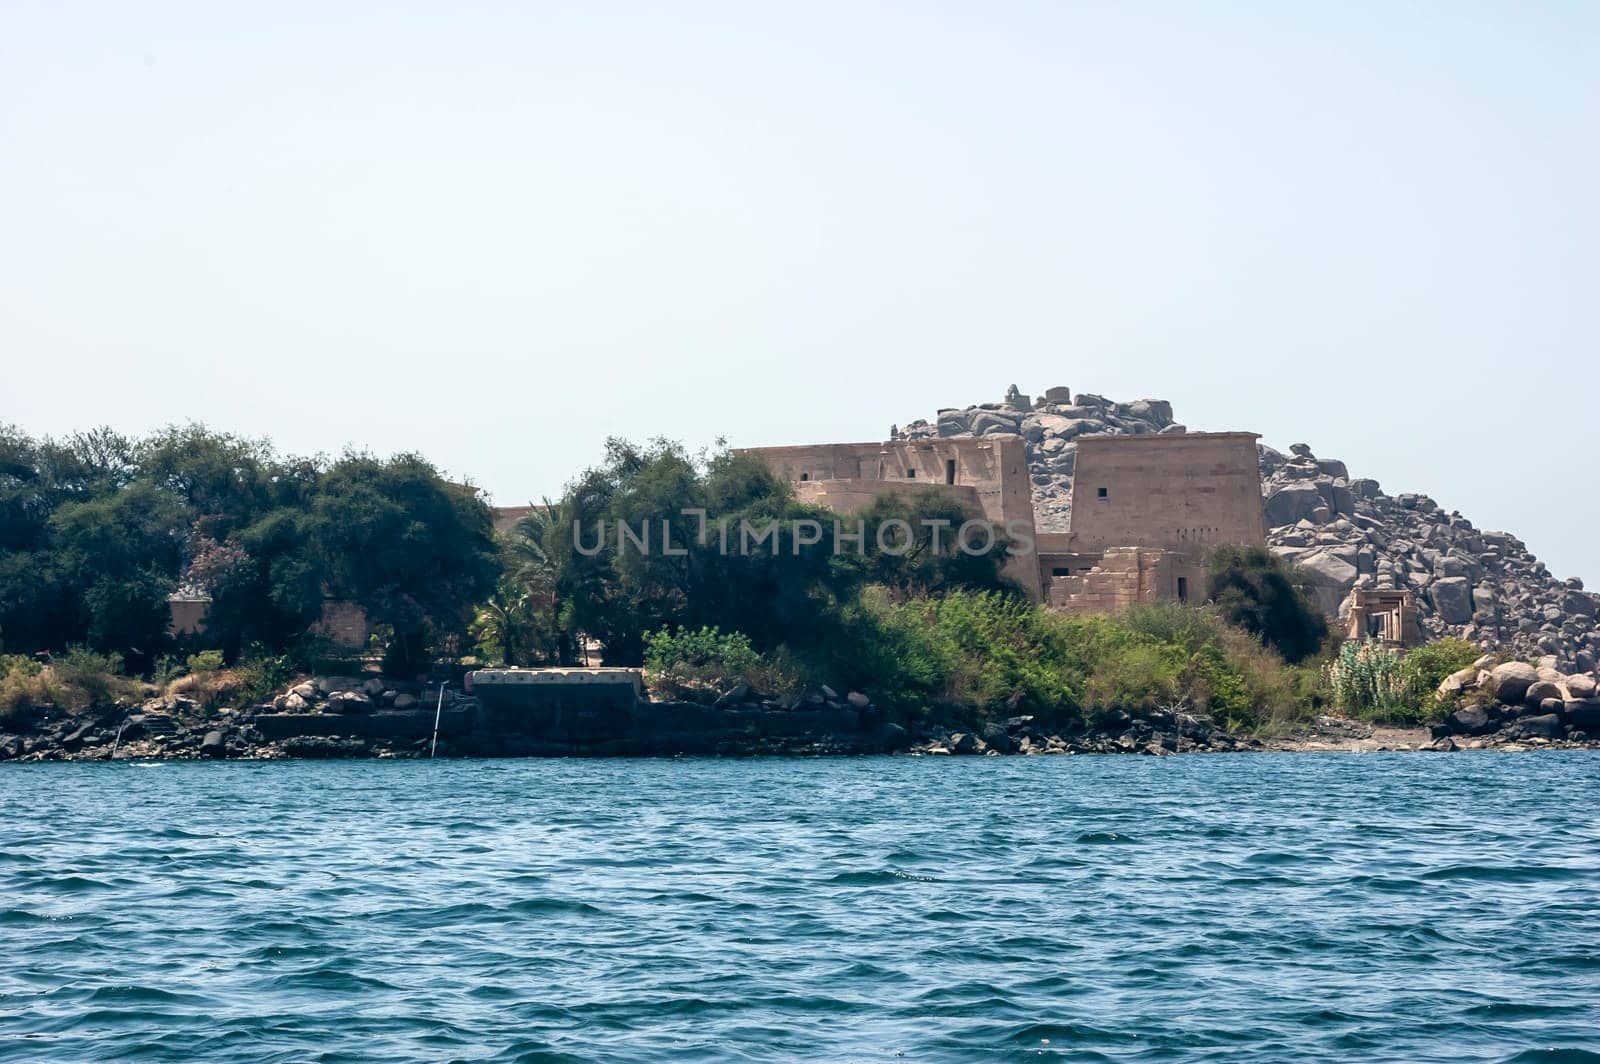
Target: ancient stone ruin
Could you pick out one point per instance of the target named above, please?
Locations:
(1151, 510)
(1351, 536)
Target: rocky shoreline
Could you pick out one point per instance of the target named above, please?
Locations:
(350, 717)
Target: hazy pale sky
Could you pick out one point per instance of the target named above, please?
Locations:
(498, 233)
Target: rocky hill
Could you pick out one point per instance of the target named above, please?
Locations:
(1481, 586)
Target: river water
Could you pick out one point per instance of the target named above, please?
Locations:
(1299, 907)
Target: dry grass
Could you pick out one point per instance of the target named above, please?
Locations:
(211, 689)
(22, 692)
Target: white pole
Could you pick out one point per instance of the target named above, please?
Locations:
(439, 709)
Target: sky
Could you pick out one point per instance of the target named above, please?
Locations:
(497, 234)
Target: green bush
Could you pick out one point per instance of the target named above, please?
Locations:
(22, 691)
(1369, 680)
(262, 675)
(1366, 680)
(1136, 677)
(1424, 668)
(1225, 671)
(694, 663)
(1258, 591)
(18, 663)
(989, 654)
(985, 651)
(205, 661)
(165, 669)
(91, 680)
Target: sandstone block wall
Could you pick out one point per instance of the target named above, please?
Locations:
(187, 615)
(344, 623)
(992, 472)
(1188, 493)
(1126, 576)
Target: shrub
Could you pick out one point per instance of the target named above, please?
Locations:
(988, 651)
(1366, 679)
(1136, 677)
(164, 670)
(18, 663)
(692, 663)
(25, 687)
(989, 655)
(205, 661)
(1424, 668)
(211, 688)
(90, 680)
(1258, 591)
(1226, 672)
(261, 675)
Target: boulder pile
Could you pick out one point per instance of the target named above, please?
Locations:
(1516, 701)
(351, 694)
(1481, 586)
(1484, 587)
(1050, 425)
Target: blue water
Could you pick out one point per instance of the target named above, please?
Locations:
(1240, 908)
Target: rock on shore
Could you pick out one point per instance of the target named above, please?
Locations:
(1519, 702)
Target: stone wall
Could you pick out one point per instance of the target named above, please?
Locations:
(996, 469)
(188, 614)
(344, 623)
(848, 496)
(992, 472)
(506, 517)
(1187, 493)
(1119, 578)
(1172, 493)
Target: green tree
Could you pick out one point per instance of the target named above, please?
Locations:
(1258, 591)
(539, 557)
(504, 625)
(415, 550)
(934, 561)
(225, 481)
(656, 538)
(121, 552)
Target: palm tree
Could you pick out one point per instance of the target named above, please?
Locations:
(540, 559)
(504, 622)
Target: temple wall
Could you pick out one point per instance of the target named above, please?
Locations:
(1189, 492)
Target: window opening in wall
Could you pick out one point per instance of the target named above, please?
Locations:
(1100, 493)
(911, 474)
(805, 476)
(949, 470)
(1061, 572)
(1183, 589)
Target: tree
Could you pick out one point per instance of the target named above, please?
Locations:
(658, 539)
(121, 552)
(416, 551)
(1258, 591)
(539, 558)
(226, 481)
(504, 624)
(934, 561)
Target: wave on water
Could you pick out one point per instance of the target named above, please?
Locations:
(1301, 908)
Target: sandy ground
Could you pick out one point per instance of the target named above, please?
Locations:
(1354, 737)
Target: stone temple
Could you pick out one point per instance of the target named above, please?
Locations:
(1146, 510)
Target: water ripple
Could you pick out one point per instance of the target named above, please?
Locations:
(1315, 908)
